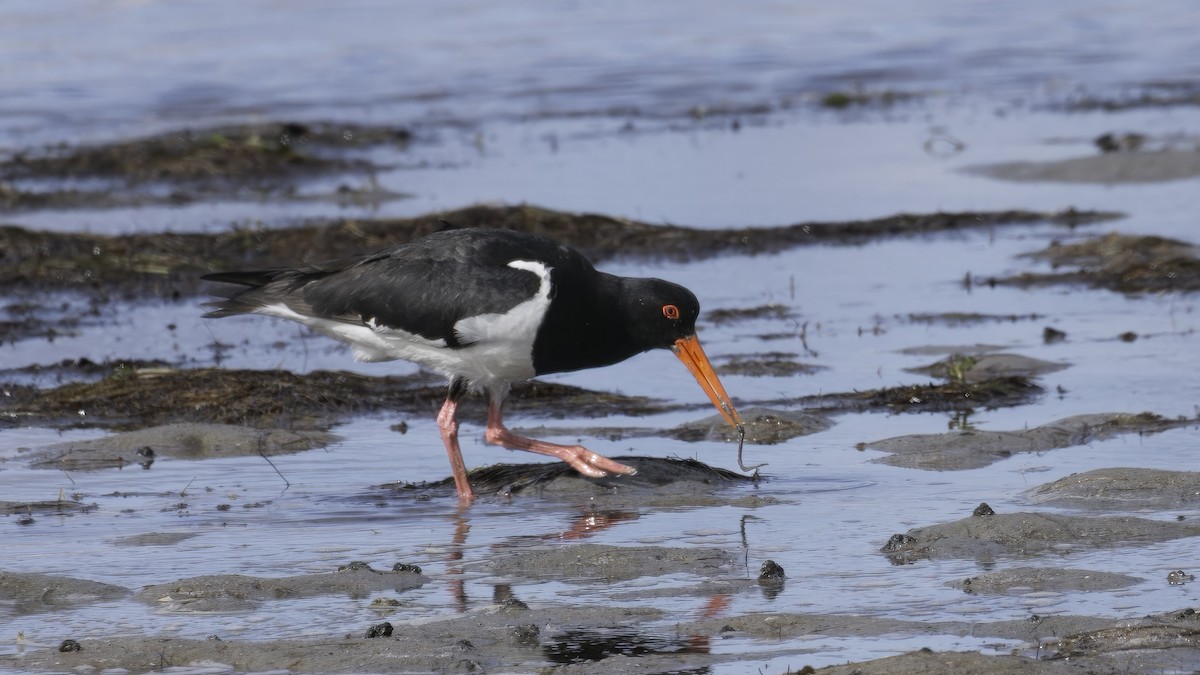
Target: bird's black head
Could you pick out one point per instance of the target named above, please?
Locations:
(611, 320)
(662, 312)
(667, 317)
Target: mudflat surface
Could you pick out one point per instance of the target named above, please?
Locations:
(949, 279)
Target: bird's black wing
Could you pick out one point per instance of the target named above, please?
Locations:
(423, 287)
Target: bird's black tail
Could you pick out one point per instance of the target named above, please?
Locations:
(263, 287)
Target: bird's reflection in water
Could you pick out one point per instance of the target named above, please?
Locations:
(582, 644)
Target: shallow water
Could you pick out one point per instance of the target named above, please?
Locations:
(107, 67)
(508, 79)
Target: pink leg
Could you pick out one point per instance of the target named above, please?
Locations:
(447, 421)
(580, 458)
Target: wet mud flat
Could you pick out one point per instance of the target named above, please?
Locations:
(635, 637)
(153, 412)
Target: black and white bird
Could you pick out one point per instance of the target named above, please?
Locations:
(486, 308)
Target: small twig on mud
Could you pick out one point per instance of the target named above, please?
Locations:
(261, 443)
(802, 333)
(183, 492)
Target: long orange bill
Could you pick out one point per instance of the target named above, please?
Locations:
(689, 351)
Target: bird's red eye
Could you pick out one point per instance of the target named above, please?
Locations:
(671, 311)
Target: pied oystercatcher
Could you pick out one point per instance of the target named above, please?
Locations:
(487, 308)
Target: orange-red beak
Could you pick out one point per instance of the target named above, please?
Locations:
(689, 351)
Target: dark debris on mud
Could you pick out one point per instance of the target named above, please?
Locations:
(224, 159)
(169, 264)
(1116, 262)
(769, 364)
(997, 392)
(1165, 94)
(133, 398)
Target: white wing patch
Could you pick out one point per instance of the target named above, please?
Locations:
(500, 345)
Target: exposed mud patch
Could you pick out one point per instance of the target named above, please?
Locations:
(236, 592)
(481, 641)
(1021, 580)
(987, 537)
(1181, 634)
(774, 626)
(582, 563)
(658, 481)
(764, 426)
(1122, 489)
(28, 593)
(59, 507)
(177, 441)
(973, 448)
(154, 539)
(982, 367)
(1117, 262)
(1111, 168)
(929, 662)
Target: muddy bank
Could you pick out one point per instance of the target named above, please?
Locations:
(511, 636)
(61, 507)
(776, 625)
(1021, 580)
(1122, 488)
(1167, 640)
(1114, 168)
(973, 448)
(587, 563)
(237, 592)
(177, 441)
(983, 367)
(504, 637)
(928, 662)
(986, 537)
(28, 592)
(1116, 262)
(764, 426)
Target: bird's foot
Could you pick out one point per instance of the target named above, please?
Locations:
(592, 464)
(581, 459)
